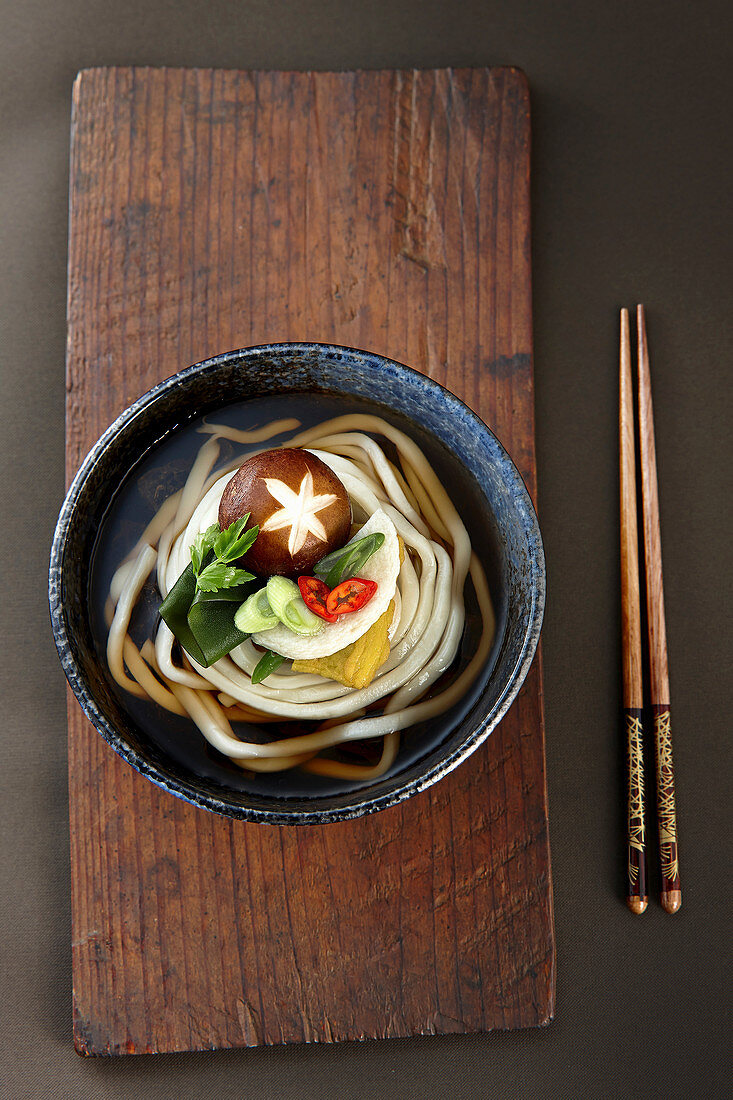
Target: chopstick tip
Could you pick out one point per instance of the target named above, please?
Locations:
(625, 334)
(671, 900)
(636, 905)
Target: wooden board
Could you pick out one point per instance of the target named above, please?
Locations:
(390, 211)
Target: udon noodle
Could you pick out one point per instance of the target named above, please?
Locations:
(427, 627)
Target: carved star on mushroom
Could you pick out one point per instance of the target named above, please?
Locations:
(299, 511)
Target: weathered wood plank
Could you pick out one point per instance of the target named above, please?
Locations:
(385, 210)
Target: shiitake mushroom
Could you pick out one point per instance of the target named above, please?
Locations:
(302, 510)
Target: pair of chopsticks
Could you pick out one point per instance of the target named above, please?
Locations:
(636, 894)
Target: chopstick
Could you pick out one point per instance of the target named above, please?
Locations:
(631, 647)
(671, 890)
(636, 896)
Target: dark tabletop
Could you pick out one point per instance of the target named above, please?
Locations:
(632, 160)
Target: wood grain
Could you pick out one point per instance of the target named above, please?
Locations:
(658, 668)
(630, 599)
(390, 211)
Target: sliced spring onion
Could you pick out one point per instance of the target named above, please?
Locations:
(286, 601)
(348, 561)
(255, 614)
(267, 663)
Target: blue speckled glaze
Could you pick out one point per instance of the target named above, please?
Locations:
(517, 582)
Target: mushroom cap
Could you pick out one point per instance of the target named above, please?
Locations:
(302, 510)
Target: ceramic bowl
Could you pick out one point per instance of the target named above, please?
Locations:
(150, 445)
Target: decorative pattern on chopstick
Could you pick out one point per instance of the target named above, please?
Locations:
(635, 787)
(666, 813)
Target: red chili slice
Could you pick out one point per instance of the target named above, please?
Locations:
(350, 596)
(315, 596)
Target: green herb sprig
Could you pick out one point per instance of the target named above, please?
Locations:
(200, 607)
(227, 546)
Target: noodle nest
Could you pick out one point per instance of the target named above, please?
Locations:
(425, 635)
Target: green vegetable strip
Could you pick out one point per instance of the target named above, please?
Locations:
(349, 560)
(211, 619)
(267, 663)
(174, 612)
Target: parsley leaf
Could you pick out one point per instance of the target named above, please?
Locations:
(219, 575)
(233, 542)
(226, 538)
(227, 546)
(201, 545)
(242, 545)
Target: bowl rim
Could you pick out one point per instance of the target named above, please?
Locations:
(279, 814)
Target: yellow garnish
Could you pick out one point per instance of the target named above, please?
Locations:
(357, 664)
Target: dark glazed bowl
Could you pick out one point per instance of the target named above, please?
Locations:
(494, 500)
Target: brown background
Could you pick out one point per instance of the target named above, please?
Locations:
(632, 181)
